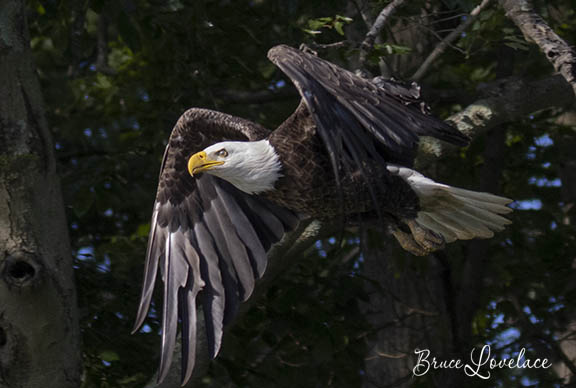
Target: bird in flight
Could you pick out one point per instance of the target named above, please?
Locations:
(229, 189)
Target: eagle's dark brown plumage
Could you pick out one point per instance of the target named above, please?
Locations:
(345, 151)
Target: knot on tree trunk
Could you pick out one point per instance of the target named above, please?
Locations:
(21, 270)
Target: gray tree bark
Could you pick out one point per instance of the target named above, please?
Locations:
(39, 331)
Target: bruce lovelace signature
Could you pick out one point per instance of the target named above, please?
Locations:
(480, 363)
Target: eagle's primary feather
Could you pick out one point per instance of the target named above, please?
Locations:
(229, 189)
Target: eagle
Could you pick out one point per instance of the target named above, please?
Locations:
(229, 189)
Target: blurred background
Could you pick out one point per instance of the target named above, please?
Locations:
(116, 75)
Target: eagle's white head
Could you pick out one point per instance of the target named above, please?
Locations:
(251, 166)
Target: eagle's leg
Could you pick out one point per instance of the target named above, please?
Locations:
(426, 238)
(408, 243)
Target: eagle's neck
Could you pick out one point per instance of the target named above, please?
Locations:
(257, 171)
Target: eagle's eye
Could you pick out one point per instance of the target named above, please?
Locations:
(223, 153)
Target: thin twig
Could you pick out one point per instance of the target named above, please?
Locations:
(79, 9)
(537, 333)
(443, 45)
(437, 36)
(330, 46)
(534, 28)
(378, 25)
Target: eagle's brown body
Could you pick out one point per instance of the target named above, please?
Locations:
(308, 187)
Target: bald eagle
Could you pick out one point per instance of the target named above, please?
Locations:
(229, 189)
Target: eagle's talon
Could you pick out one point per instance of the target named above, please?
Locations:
(407, 242)
(426, 238)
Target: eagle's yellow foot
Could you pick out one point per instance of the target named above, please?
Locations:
(426, 238)
(407, 242)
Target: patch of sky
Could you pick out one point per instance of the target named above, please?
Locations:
(356, 266)
(146, 329)
(277, 85)
(529, 314)
(527, 204)
(105, 265)
(152, 312)
(555, 305)
(543, 141)
(545, 182)
(144, 96)
(85, 253)
(58, 146)
(108, 212)
(531, 154)
(528, 382)
(497, 321)
(540, 141)
(87, 132)
(320, 248)
(505, 338)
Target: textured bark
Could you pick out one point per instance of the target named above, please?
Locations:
(560, 54)
(39, 332)
(407, 309)
(507, 101)
(431, 308)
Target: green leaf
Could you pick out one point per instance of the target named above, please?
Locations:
(311, 32)
(338, 26)
(344, 19)
(83, 201)
(109, 355)
(129, 32)
(143, 230)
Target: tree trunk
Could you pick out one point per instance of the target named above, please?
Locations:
(39, 331)
(408, 311)
(424, 306)
(565, 141)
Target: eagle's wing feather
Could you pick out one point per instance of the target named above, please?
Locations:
(190, 216)
(347, 108)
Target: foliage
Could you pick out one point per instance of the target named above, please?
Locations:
(115, 86)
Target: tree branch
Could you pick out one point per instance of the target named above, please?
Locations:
(378, 25)
(535, 29)
(510, 100)
(444, 44)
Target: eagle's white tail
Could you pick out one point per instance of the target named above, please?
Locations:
(455, 213)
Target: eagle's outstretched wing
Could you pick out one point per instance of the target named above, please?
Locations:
(358, 119)
(206, 237)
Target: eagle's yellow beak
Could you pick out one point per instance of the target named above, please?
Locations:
(199, 162)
